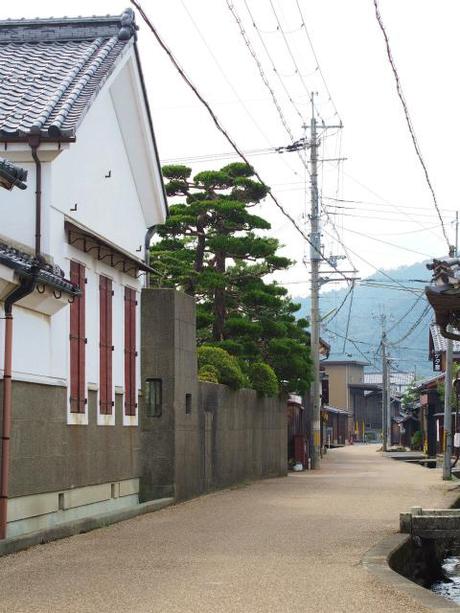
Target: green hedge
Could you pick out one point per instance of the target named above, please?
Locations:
(227, 367)
(263, 379)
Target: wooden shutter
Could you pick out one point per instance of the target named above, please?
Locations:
(105, 346)
(77, 341)
(130, 351)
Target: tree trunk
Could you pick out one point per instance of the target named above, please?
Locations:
(199, 254)
(219, 302)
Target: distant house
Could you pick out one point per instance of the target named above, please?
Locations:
(74, 113)
(438, 348)
(341, 375)
(399, 381)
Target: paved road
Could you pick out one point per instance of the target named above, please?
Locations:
(281, 545)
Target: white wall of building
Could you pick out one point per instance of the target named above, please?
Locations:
(113, 207)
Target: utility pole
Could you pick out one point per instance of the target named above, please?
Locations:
(384, 384)
(447, 439)
(388, 402)
(446, 467)
(315, 251)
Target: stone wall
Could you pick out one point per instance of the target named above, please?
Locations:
(222, 437)
(244, 435)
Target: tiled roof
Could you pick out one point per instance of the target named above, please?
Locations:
(439, 342)
(396, 378)
(51, 70)
(26, 265)
(11, 175)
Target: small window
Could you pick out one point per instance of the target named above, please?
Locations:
(153, 397)
(188, 404)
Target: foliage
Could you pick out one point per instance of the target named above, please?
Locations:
(440, 387)
(209, 373)
(263, 379)
(213, 247)
(416, 441)
(227, 367)
(410, 397)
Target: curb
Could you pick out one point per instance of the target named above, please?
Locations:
(86, 524)
(376, 561)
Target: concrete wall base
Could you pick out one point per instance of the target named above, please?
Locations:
(376, 561)
(15, 544)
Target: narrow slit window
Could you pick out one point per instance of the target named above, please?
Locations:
(188, 404)
(154, 397)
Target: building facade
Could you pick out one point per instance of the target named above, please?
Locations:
(74, 114)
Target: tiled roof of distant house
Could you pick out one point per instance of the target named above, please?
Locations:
(439, 342)
(51, 70)
(396, 378)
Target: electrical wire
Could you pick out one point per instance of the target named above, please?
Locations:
(263, 76)
(426, 310)
(409, 120)
(225, 133)
(412, 307)
(339, 308)
(224, 74)
(382, 272)
(288, 47)
(310, 42)
(379, 240)
(348, 318)
(275, 69)
(374, 193)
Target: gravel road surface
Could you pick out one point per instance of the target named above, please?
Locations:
(280, 545)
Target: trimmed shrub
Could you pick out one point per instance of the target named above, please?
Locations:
(228, 369)
(263, 379)
(208, 373)
(416, 441)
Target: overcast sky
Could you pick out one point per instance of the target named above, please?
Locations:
(381, 168)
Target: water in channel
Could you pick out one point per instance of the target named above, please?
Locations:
(449, 584)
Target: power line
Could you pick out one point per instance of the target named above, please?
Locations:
(349, 317)
(374, 193)
(411, 308)
(409, 120)
(342, 304)
(380, 204)
(382, 272)
(225, 133)
(275, 69)
(379, 240)
(305, 29)
(426, 310)
(288, 46)
(263, 76)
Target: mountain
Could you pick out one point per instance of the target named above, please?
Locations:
(399, 295)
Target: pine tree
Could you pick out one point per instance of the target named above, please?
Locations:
(211, 247)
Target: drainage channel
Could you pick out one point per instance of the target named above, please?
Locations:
(448, 585)
(431, 556)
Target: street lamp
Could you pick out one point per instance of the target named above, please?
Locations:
(11, 175)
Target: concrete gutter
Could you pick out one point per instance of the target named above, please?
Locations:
(18, 543)
(376, 561)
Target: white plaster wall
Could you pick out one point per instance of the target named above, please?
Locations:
(108, 206)
(17, 211)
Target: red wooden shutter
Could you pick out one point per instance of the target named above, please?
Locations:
(77, 341)
(105, 345)
(130, 351)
